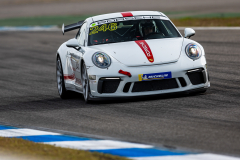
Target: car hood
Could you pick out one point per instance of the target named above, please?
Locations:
(135, 53)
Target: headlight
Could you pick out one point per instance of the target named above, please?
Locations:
(193, 51)
(101, 60)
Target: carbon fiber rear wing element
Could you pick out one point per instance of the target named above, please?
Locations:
(71, 26)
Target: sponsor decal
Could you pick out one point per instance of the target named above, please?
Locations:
(146, 49)
(77, 66)
(72, 66)
(78, 81)
(93, 82)
(127, 14)
(154, 76)
(69, 77)
(103, 28)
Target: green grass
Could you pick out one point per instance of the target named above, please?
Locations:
(177, 13)
(42, 21)
(192, 14)
(217, 15)
(213, 19)
(21, 148)
(208, 22)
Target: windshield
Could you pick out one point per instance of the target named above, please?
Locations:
(131, 30)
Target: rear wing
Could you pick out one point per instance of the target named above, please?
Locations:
(71, 26)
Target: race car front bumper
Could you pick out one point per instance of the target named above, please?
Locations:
(184, 77)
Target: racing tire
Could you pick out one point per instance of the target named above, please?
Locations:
(85, 83)
(60, 79)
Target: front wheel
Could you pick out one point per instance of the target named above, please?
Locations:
(85, 84)
(60, 79)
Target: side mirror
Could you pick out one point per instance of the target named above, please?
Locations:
(188, 32)
(73, 43)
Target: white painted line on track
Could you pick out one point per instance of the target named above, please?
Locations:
(97, 144)
(203, 156)
(24, 132)
(211, 28)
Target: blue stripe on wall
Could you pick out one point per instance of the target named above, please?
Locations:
(27, 28)
(140, 152)
(6, 127)
(53, 138)
(125, 152)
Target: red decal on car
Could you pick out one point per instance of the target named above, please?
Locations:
(69, 77)
(146, 49)
(125, 73)
(127, 14)
(78, 81)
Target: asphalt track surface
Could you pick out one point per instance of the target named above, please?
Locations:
(207, 122)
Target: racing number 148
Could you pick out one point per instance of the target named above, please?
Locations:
(104, 27)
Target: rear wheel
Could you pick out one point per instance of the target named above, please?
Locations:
(60, 79)
(85, 83)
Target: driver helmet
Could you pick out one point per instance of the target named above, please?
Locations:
(144, 24)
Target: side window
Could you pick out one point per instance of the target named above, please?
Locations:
(81, 38)
(78, 34)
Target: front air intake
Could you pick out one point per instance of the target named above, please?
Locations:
(108, 85)
(197, 76)
(155, 85)
(182, 81)
(126, 87)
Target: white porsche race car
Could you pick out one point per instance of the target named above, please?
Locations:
(130, 54)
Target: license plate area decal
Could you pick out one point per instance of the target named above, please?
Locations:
(154, 76)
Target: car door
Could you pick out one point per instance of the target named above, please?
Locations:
(76, 56)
